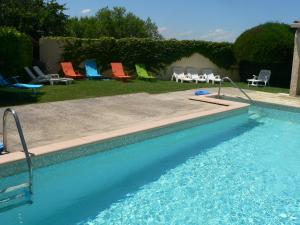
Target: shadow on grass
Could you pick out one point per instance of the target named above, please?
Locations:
(12, 97)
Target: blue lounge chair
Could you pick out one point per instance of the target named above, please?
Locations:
(91, 70)
(1, 147)
(6, 83)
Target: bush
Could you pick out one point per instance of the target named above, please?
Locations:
(267, 46)
(156, 54)
(15, 51)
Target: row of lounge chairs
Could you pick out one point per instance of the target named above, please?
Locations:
(92, 71)
(38, 77)
(193, 76)
(208, 76)
(118, 72)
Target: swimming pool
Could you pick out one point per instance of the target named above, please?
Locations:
(239, 170)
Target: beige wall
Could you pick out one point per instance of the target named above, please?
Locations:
(51, 52)
(200, 62)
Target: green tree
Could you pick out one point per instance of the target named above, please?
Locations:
(34, 17)
(82, 27)
(116, 22)
(267, 46)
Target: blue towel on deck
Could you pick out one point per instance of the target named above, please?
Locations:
(202, 92)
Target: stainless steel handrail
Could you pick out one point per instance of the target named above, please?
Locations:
(25, 149)
(236, 86)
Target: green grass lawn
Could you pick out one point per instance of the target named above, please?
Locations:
(94, 88)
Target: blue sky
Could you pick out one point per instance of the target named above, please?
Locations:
(214, 20)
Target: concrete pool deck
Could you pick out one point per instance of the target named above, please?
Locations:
(51, 127)
(47, 123)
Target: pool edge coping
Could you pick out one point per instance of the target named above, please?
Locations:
(103, 136)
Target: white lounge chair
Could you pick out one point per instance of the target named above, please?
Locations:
(193, 74)
(178, 75)
(261, 80)
(213, 78)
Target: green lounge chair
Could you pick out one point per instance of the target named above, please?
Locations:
(142, 72)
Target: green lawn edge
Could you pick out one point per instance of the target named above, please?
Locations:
(96, 88)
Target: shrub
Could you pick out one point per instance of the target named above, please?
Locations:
(267, 46)
(156, 54)
(15, 51)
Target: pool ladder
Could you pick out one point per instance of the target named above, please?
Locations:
(257, 112)
(236, 86)
(21, 194)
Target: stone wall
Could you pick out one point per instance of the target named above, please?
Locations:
(200, 63)
(51, 51)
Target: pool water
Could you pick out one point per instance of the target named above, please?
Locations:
(239, 170)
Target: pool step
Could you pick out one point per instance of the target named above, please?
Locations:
(15, 196)
(16, 205)
(14, 188)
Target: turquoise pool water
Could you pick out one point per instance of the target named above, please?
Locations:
(240, 170)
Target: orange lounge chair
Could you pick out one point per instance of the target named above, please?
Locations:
(69, 71)
(118, 71)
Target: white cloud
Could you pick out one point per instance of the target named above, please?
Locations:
(219, 35)
(162, 29)
(85, 11)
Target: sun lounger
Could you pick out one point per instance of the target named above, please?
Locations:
(42, 78)
(178, 75)
(261, 80)
(6, 83)
(69, 71)
(213, 78)
(53, 78)
(142, 72)
(91, 70)
(193, 74)
(118, 71)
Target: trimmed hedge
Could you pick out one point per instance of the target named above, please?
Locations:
(156, 54)
(15, 51)
(267, 46)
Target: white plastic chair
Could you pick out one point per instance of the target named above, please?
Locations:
(261, 80)
(178, 75)
(193, 74)
(213, 78)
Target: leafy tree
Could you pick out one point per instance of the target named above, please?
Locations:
(34, 17)
(267, 46)
(82, 27)
(15, 51)
(116, 22)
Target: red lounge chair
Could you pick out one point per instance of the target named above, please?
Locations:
(118, 71)
(69, 71)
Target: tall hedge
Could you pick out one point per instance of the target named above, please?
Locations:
(15, 51)
(156, 54)
(267, 46)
